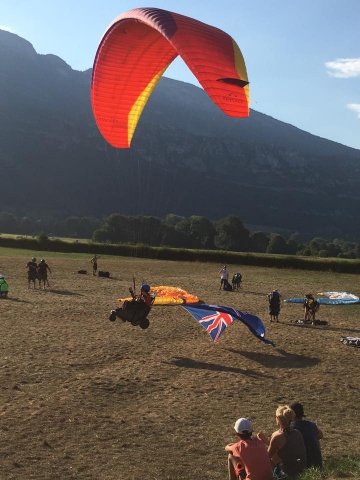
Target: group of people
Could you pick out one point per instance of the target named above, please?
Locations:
(37, 272)
(292, 448)
(311, 306)
(224, 280)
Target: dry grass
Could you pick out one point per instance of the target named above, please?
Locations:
(84, 398)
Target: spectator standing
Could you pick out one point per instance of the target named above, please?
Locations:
(274, 298)
(94, 262)
(224, 276)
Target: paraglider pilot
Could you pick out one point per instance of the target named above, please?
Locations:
(144, 295)
(136, 310)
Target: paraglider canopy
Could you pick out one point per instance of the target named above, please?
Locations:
(134, 53)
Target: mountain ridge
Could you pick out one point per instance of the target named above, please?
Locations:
(186, 157)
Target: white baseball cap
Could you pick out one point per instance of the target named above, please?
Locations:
(243, 425)
(2, 276)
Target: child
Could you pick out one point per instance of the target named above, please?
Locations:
(4, 287)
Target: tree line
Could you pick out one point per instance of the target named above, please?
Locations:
(195, 232)
(72, 227)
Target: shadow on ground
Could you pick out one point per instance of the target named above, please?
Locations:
(286, 360)
(12, 299)
(65, 292)
(325, 327)
(184, 362)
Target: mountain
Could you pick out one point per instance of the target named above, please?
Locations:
(186, 157)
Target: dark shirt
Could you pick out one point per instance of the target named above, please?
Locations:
(293, 453)
(43, 267)
(274, 299)
(31, 266)
(310, 434)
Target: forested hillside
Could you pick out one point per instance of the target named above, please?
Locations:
(187, 157)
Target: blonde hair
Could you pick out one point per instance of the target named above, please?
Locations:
(285, 415)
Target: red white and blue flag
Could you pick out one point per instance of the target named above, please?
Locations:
(215, 319)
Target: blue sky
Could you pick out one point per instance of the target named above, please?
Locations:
(302, 57)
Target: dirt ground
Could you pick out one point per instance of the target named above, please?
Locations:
(84, 398)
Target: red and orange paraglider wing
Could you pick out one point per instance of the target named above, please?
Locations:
(135, 51)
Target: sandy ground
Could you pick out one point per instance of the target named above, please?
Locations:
(84, 398)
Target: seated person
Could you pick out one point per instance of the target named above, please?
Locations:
(286, 447)
(137, 309)
(311, 435)
(4, 287)
(144, 295)
(248, 458)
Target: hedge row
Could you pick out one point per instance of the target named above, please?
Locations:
(179, 254)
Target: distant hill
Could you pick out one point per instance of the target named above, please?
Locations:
(187, 157)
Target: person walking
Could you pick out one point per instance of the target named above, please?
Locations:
(43, 268)
(32, 272)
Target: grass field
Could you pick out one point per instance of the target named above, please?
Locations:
(84, 398)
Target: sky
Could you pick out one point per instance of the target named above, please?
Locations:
(302, 56)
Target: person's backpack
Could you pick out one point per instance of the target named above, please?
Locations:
(227, 286)
(104, 274)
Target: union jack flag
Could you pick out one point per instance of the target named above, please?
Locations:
(216, 323)
(215, 319)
